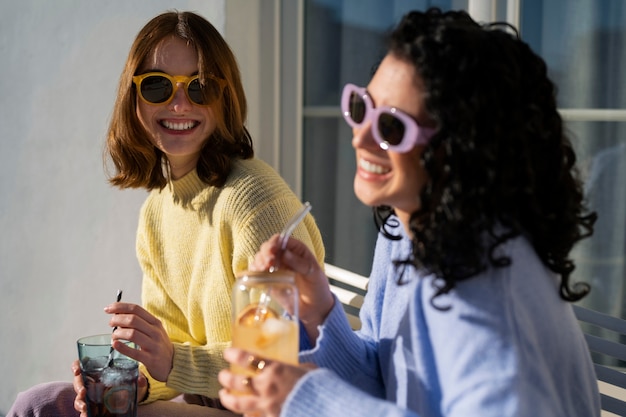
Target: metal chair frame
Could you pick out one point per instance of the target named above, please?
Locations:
(603, 349)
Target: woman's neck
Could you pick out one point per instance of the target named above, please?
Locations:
(181, 166)
(405, 219)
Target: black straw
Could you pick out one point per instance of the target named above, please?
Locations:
(118, 299)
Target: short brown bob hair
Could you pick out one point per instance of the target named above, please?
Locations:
(138, 163)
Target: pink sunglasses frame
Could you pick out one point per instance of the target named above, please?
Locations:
(414, 134)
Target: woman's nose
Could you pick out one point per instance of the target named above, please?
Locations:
(180, 101)
(362, 136)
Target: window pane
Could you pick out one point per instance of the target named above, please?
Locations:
(346, 224)
(583, 45)
(601, 149)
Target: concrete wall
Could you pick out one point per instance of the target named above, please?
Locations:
(66, 237)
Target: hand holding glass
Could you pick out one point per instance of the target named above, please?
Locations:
(111, 384)
(265, 317)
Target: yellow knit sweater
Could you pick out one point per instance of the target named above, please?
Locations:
(192, 240)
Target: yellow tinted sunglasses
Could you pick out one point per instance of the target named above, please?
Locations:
(159, 88)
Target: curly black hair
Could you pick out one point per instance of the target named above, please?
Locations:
(500, 164)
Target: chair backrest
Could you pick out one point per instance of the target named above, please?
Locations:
(349, 288)
(605, 335)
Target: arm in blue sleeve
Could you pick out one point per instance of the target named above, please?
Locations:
(349, 355)
(305, 342)
(323, 391)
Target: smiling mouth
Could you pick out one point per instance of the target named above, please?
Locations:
(180, 125)
(372, 168)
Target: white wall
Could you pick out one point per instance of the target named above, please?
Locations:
(66, 236)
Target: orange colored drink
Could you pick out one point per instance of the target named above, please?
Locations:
(265, 319)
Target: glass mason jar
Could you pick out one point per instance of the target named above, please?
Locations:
(265, 316)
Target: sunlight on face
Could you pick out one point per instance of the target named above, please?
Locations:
(384, 177)
(178, 128)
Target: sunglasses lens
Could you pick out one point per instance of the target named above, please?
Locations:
(391, 128)
(357, 108)
(156, 89)
(195, 92)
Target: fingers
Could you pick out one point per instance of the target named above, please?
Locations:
(80, 406)
(76, 367)
(254, 364)
(249, 364)
(77, 382)
(316, 299)
(156, 354)
(263, 387)
(142, 387)
(238, 403)
(236, 383)
(267, 256)
(236, 356)
(246, 384)
(125, 311)
(79, 388)
(128, 316)
(124, 349)
(132, 322)
(239, 394)
(296, 257)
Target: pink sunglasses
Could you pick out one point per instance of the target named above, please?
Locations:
(393, 129)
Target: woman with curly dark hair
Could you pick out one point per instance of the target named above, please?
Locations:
(462, 153)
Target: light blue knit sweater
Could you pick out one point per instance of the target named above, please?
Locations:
(508, 346)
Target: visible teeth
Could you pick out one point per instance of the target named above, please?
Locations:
(373, 168)
(178, 126)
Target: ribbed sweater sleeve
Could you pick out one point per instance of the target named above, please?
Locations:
(192, 240)
(328, 395)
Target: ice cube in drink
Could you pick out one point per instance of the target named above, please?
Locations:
(263, 332)
(111, 390)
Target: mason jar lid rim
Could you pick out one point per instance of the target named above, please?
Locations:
(276, 275)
